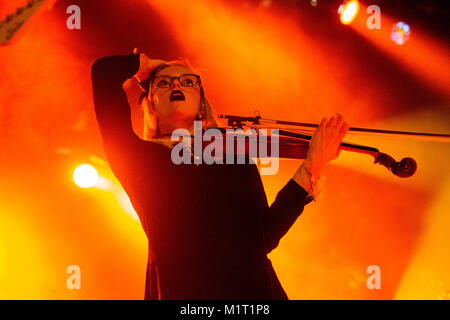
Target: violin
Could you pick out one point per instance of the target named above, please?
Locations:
(293, 139)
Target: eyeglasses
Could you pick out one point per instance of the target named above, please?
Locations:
(186, 80)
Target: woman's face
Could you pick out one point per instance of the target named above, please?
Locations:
(177, 106)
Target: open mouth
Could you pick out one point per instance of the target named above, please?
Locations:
(177, 95)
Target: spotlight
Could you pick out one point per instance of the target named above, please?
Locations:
(400, 33)
(85, 176)
(349, 11)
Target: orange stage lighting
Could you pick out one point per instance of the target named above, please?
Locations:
(291, 66)
(421, 55)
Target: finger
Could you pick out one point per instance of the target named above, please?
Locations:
(339, 134)
(332, 123)
(143, 59)
(344, 129)
(339, 122)
(319, 127)
(323, 123)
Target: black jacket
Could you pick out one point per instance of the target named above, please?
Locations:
(209, 227)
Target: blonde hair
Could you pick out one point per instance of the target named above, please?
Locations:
(151, 129)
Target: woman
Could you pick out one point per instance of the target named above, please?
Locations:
(209, 227)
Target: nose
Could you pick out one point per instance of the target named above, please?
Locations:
(175, 84)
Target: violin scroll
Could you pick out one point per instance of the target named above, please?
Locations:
(403, 169)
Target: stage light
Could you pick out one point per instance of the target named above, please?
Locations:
(314, 3)
(349, 11)
(85, 176)
(400, 33)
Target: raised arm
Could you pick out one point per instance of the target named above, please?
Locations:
(128, 155)
(110, 101)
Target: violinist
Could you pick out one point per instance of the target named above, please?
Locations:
(209, 227)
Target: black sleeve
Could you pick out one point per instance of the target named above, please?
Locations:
(110, 101)
(125, 151)
(284, 211)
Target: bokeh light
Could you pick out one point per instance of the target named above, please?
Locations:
(85, 176)
(400, 33)
(349, 12)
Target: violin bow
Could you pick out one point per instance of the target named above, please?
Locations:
(403, 169)
(309, 127)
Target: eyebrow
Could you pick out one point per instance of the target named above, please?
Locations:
(166, 75)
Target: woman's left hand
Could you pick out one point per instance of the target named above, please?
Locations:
(324, 145)
(146, 65)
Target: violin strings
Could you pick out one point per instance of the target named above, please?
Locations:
(366, 132)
